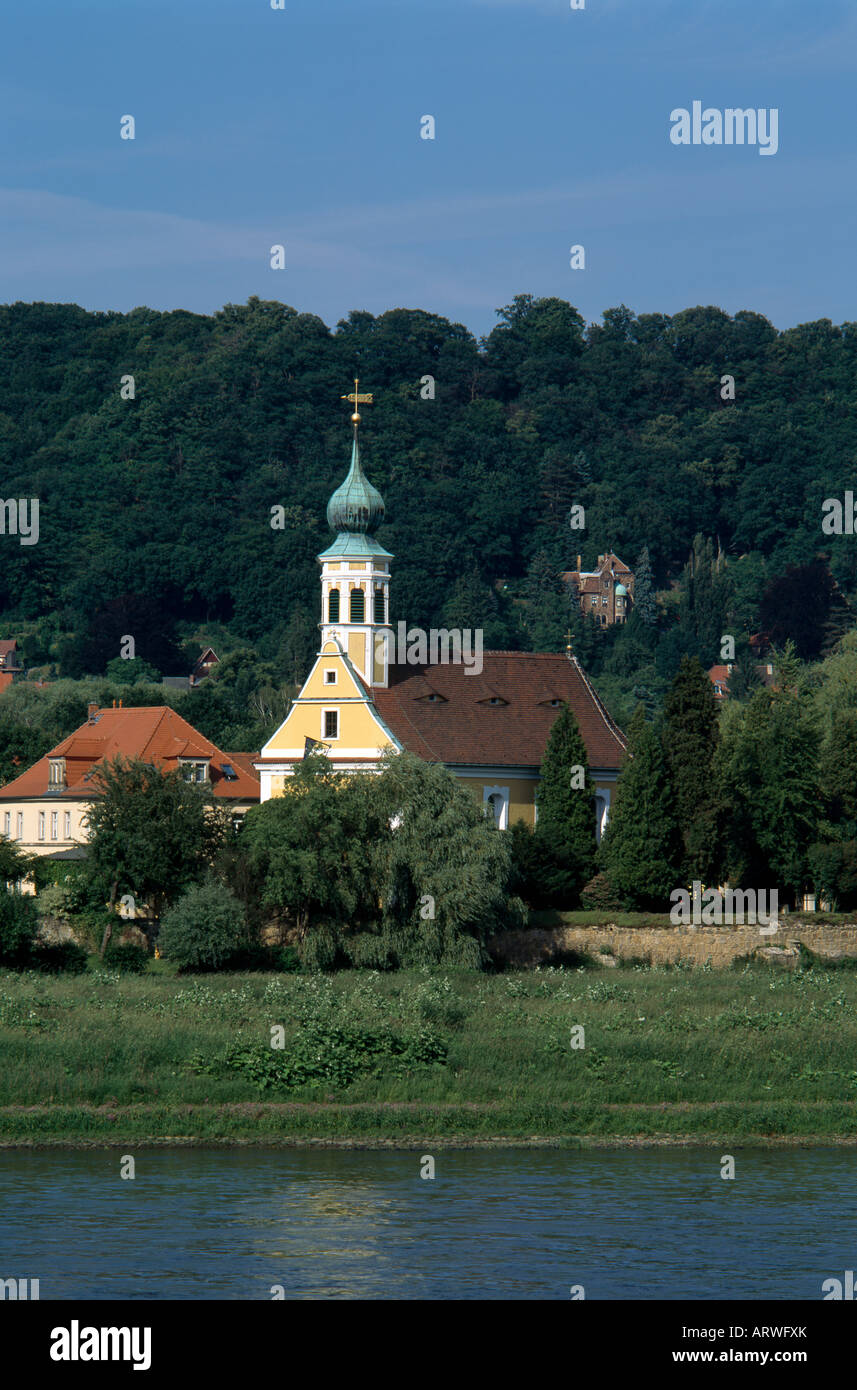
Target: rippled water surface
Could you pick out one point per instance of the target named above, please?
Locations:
(506, 1223)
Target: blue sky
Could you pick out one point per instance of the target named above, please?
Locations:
(301, 127)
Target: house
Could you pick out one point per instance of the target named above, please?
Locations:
(10, 664)
(44, 810)
(489, 727)
(607, 592)
(202, 669)
(719, 677)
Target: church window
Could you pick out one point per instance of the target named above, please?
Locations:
(333, 606)
(331, 723)
(357, 606)
(378, 610)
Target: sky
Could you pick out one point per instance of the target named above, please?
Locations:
(300, 127)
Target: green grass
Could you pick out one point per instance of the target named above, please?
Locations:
(671, 1055)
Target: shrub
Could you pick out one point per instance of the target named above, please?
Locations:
(18, 923)
(126, 957)
(319, 949)
(367, 951)
(285, 959)
(205, 928)
(598, 895)
(64, 958)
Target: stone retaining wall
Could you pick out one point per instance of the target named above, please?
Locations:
(666, 945)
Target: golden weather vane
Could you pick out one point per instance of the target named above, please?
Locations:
(355, 396)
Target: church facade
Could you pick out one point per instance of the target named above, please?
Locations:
(488, 721)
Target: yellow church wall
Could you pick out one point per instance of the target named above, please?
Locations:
(356, 648)
(358, 729)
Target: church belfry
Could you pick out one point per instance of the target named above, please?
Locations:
(355, 569)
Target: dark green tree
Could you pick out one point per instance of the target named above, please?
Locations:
(151, 835)
(565, 797)
(644, 590)
(690, 738)
(641, 850)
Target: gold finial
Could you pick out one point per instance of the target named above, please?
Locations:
(354, 396)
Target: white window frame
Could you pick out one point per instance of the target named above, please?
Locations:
(67, 825)
(330, 675)
(55, 825)
(7, 824)
(326, 737)
(20, 826)
(41, 824)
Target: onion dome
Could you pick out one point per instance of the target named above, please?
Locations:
(356, 507)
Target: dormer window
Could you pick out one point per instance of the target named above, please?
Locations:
(194, 770)
(56, 774)
(494, 700)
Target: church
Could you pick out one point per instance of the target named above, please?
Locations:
(488, 721)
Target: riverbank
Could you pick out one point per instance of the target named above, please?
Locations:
(666, 1056)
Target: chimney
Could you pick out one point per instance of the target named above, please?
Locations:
(91, 711)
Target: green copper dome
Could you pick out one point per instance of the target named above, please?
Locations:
(621, 591)
(356, 507)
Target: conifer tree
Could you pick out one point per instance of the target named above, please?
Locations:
(565, 829)
(690, 740)
(644, 591)
(641, 849)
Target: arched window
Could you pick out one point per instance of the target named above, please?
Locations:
(378, 609)
(333, 606)
(358, 606)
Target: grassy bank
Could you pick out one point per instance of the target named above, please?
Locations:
(670, 1055)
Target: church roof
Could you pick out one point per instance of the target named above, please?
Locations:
(466, 725)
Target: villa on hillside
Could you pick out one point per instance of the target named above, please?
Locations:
(607, 592)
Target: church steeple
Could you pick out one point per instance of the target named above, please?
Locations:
(355, 575)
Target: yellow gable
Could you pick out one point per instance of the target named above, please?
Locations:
(332, 687)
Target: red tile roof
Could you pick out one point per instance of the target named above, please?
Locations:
(463, 728)
(153, 734)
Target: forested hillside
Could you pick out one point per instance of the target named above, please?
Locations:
(155, 512)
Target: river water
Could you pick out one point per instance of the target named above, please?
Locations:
(507, 1223)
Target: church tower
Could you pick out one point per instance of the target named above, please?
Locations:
(355, 570)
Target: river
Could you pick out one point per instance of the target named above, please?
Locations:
(497, 1223)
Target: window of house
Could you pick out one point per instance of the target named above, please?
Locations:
(7, 823)
(604, 603)
(333, 606)
(194, 772)
(67, 826)
(331, 723)
(56, 775)
(55, 825)
(495, 801)
(330, 678)
(378, 606)
(20, 833)
(357, 606)
(41, 825)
